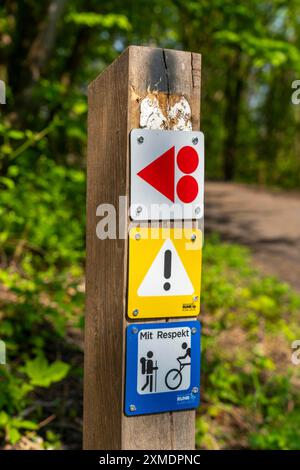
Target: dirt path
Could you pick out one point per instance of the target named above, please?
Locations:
(268, 222)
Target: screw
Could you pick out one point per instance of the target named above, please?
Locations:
(139, 209)
(193, 237)
(140, 139)
(134, 331)
(195, 298)
(195, 390)
(195, 140)
(137, 236)
(197, 210)
(135, 312)
(132, 408)
(194, 330)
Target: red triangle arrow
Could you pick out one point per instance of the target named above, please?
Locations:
(160, 173)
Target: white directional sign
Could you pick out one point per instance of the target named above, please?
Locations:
(167, 175)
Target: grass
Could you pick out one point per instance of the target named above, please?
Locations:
(250, 388)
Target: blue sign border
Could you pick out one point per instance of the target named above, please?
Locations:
(140, 404)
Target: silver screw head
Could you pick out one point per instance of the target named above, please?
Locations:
(195, 390)
(134, 331)
(197, 210)
(195, 140)
(140, 139)
(195, 298)
(139, 209)
(135, 312)
(193, 237)
(137, 236)
(194, 330)
(132, 408)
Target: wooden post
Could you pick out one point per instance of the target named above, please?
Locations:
(115, 97)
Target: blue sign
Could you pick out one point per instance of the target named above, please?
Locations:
(162, 367)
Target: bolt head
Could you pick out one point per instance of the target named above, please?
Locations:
(139, 209)
(135, 312)
(195, 298)
(195, 140)
(140, 139)
(137, 236)
(134, 331)
(197, 210)
(193, 237)
(195, 390)
(194, 331)
(132, 408)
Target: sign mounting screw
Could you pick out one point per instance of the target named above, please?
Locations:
(193, 237)
(195, 140)
(195, 390)
(134, 331)
(194, 331)
(140, 139)
(137, 236)
(197, 210)
(132, 408)
(195, 298)
(139, 209)
(135, 312)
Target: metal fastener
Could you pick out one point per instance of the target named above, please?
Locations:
(135, 312)
(140, 139)
(132, 408)
(193, 237)
(194, 330)
(195, 390)
(137, 236)
(197, 210)
(195, 140)
(195, 298)
(134, 331)
(139, 209)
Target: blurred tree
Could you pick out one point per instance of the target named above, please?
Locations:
(50, 50)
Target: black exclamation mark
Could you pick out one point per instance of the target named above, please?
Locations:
(167, 268)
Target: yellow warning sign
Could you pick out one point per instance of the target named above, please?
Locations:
(164, 272)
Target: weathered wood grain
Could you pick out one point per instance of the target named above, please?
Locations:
(114, 109)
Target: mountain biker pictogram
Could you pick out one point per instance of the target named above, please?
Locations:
(173, 377)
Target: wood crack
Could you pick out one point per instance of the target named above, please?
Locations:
(167, 71)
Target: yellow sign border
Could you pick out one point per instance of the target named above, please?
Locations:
(144, 245)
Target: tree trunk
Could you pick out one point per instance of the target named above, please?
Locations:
(233, 93)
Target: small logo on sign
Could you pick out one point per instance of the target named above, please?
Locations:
(185, 398)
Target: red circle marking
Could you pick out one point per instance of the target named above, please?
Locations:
(187, 189)
(187, 159)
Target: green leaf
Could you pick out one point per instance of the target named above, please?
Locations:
(92, 19)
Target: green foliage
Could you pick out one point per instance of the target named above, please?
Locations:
(249, 385)
(250, 57)
(13, 426)
(42, 249)
(41, 374)
(94, 19)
